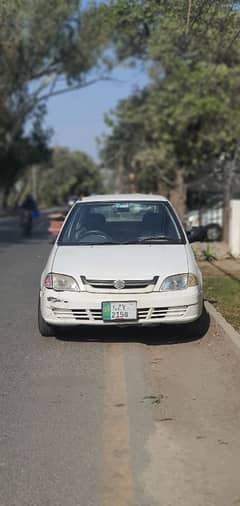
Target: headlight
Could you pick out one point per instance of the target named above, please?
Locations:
(179, 282)
(61, 283)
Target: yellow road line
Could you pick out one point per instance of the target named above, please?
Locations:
(118, 480)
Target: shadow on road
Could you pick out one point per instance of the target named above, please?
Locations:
(10, 232)
(157, 335)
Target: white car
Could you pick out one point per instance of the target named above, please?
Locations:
(122, 260)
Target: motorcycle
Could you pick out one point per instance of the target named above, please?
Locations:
(26, 222)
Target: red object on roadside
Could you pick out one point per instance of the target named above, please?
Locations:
(55, 223)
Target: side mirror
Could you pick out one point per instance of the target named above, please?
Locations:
(195, 234)
(191, 236)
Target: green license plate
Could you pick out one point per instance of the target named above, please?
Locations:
(119, 311)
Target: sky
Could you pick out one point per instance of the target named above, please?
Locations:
(77, 118)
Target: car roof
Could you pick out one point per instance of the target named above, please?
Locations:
(128, 196)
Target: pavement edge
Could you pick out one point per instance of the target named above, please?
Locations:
(226, 327)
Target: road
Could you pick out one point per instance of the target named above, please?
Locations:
(108, 417)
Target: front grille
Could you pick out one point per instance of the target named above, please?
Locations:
(143, 314)
(96, 314)
(166, 312)
(129, 284)
(71, 314)
(80, 314)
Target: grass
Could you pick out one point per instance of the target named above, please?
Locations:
(223, 291)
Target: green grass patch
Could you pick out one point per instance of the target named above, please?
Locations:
(224, 293)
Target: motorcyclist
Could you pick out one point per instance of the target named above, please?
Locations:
(28, 211)
(29, 204)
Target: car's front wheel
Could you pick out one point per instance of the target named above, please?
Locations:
(199, 327)
(45, 329)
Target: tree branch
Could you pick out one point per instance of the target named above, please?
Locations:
(189, 15)
(53, 66)
(73, 88)
(35, 99)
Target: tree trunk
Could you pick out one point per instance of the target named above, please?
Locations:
(178, 196)
(119, 180)
(229, 172)
(6, 192)
(226, 219)
(163, 189)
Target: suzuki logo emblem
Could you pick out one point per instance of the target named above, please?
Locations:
(119, 284)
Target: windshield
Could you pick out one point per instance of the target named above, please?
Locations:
(122, 222)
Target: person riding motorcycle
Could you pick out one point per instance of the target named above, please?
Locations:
(28, 211)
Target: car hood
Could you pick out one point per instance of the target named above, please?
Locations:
(124, 261)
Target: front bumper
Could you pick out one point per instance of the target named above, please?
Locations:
(84, 308)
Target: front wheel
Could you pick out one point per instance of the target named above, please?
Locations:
(198, 328)
(26, 223)
(45, 329)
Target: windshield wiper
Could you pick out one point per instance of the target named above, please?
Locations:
(149, 238)
(152, 238)
(103, 243)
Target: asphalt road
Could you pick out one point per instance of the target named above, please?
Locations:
(110, 417)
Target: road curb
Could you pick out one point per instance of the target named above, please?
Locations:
(220, 321)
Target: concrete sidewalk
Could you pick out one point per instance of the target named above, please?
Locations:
(225, 266)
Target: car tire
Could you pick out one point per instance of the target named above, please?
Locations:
(198, 328)
(45, 329)
(213, 232)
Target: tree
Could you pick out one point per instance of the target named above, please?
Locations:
(169, 31)
(132, 24)
(189, 113)
(25, 151)
(132, 148)
(47, 48)
(50, 48)
(70, 173)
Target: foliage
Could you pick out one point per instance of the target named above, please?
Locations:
(208, 254)
(187, 118)
(132, 22)
(51, 41)
(133, 147)
(70, 173)
(26, 150)
(168, 31)
(46, 48)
